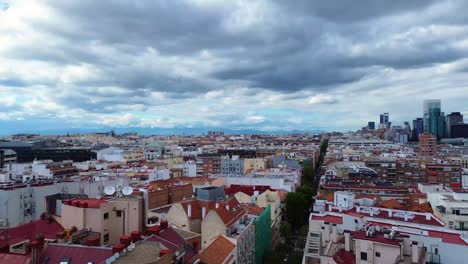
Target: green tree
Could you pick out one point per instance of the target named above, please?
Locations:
(307, 191)
(297, 209)
(285, 229)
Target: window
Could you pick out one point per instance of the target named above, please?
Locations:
(377, 254)
(106, 238)
(106, 215)
(363, 255)
(118, 213)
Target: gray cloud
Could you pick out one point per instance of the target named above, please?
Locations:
(132, 57)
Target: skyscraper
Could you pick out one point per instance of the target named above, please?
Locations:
(418, 128)
(452, 119)
(434, 119)
(384, 118)
(371, 125)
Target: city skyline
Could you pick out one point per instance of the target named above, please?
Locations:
(248, 65)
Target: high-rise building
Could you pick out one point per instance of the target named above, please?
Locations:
(427, 145)
(371, 125)
(384, 121)
(460, 131)
(418, 128)
(452, 119)
(434, 119)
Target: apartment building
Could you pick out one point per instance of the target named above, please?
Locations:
(427, 145)
(233, 165)
(445, 174)
(351, 233)
(451, 207)
(208, 164)
(110, 217)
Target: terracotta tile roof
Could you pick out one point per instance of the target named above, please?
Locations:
(329, 218)
(29, 231)
(391, 204)
(326, 196)
(344, 257)
(254, 210)
(218, 251)
(247, 189)
(78, 254)
(236, 210)
(423, 208)
(171, 235)
(365, 195)
(92, 202)
(281, 195)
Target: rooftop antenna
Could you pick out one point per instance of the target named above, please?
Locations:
(109, 190)
(127, 190)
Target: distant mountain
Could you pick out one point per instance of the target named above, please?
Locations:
(46, 130)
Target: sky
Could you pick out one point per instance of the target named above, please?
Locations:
(240, 64)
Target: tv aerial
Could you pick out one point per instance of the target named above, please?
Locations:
(127, 190)
(109, 190)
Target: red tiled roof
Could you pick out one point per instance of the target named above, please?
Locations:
(247, 189)
(236, 210)
(255, 210)
(218, 251)
(171, 235)
(448, 237)
(28, 232)
(92, 202)
(391, 204)
(168, 244)
(329, 218)
(330, 197)
(77, 254)
(344, 257)
(378, 237)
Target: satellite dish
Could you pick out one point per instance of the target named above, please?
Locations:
(109, 190)
(127, 190)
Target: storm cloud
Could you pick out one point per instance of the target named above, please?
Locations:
(256, 64)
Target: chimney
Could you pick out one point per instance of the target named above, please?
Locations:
(217, 205)
(414, 252)
(189, 209)
(330, 208)
(390, 213)
(371, 213)
(324, 242)
(136, 236)
(118, 248)
(334, 235)
(326, 232)
(227, 207)
(406, 217)
(358, 209)
(203, 210)
(126, 240)
(347, 241)
(36, 246)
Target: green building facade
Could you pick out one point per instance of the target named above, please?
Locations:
(262, 235)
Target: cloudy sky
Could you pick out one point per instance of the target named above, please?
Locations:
(269, 65)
